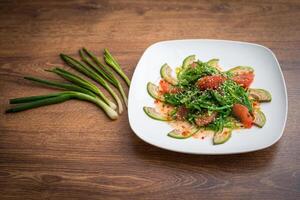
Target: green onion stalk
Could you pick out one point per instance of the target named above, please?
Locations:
(83, 68)
(111, 61)
(103, 70)
(54, 84)
(43, 100)
(82, 83)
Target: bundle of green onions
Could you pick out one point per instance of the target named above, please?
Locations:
(79, 87)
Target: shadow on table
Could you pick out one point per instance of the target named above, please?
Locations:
(253, 160)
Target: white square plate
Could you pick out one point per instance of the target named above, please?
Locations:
(268, 75)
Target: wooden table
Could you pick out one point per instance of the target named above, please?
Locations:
(72, 151)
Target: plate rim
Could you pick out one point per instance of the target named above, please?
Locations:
(214, 153)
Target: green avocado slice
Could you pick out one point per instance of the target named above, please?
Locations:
(213, 62)
(260, 95)
(241, 70)
(165, 72)
(222, 136)
(179, 134)
(151, 112)
(152, 90)
(259, 118)
(188, 60)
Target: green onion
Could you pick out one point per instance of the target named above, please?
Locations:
(32, 98)
(104, 71)
(37, 101)
(66, 86)
(82, 83)
(81, 67)
(111, 61)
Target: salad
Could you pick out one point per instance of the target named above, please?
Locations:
(204, 100)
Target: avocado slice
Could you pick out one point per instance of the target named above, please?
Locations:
(188, 60)
(260, 95)
(259, 118)
(165, 72)
(241, 70)
(153, 91)
(213, 62)
(179, 134)
(222, 136)
(151, 112)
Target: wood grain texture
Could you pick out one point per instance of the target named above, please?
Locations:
(72, 151)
